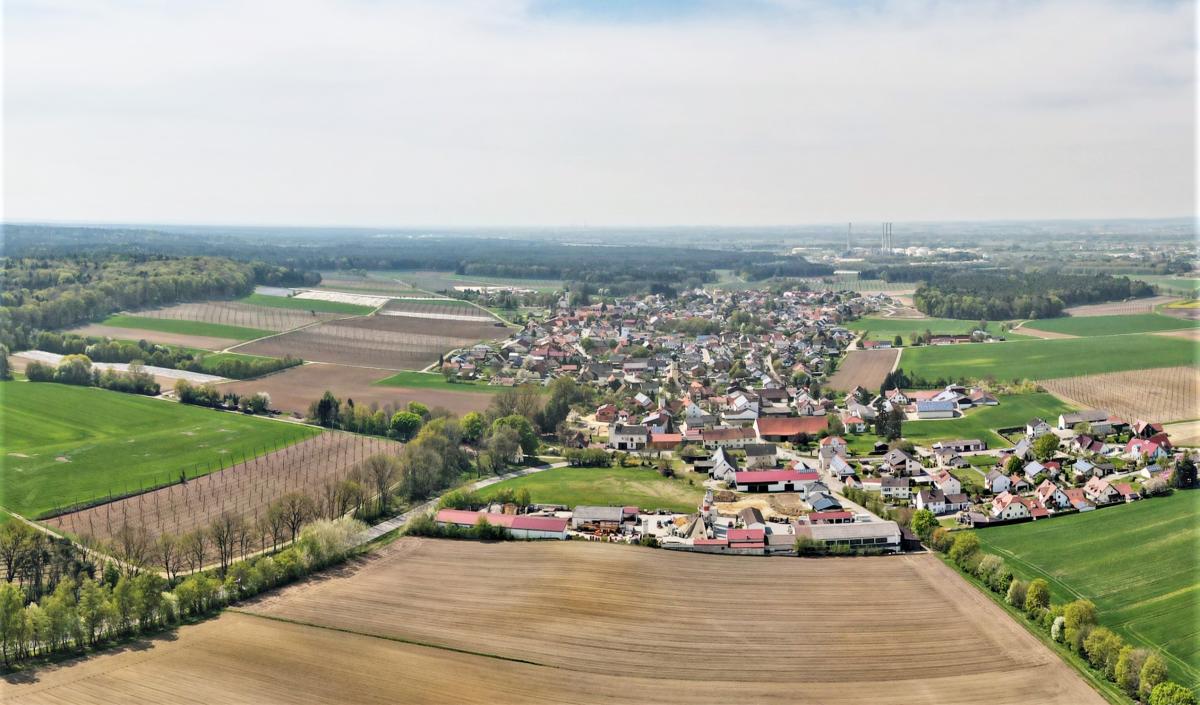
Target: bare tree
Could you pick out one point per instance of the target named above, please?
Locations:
(274, 524)
(168, 552)
(132, 546)
(381, 470)
(195, 545)
(297, 508)
(225, 532)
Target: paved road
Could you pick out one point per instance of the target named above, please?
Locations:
(401, 519)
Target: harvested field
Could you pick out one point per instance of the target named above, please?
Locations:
(444, 309)
(293, 389)
(342, 298)
(556, 622)
(1189, 333)
(235, 313)
(245, 489)
(388, 342)
(1162, 394)
(200, 342)
(864, 368)
(1114, 308)
(1186, 433)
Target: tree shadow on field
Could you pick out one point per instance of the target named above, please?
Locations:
(31, 672)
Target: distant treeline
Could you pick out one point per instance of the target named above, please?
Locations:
(617, 269)
(43, 293)
(1000, 295)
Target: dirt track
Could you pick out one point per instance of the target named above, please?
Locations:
(582, 623)
(295, 388)
(865, 368)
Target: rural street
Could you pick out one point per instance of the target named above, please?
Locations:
(401, 519)
(835, 485)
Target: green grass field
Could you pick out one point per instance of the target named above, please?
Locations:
(1137, 562)
(429, 380)
(1088, 326)
(880, 328)
(437, 281)
(1170, 284)
(306, 304)
(63, 444)
(1013, 410)
(1048, 359)
(643, 487)
(167, 325)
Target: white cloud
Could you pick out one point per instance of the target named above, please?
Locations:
(308, 112)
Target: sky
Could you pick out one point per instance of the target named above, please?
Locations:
(574, 113)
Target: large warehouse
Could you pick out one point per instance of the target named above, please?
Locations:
(519, 525)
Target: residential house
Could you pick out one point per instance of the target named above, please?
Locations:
(1100, 491)
(628, 437)
(947, 483)
(1051, 496)
(727, 437)
(722, 466)
(896, 487)
(789, 429)
(1010, 507)
(773, 480)
(760, 455)
(1036, 428)
(997, 482)
(961, 446)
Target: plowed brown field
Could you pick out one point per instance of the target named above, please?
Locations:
(296, 387)
(458, 622)
(864, 368)
(1162, 394)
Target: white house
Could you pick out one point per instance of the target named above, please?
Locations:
(1101, 491)
(759, 455)
(947, 483)
(1051, 496)
(1037, 427)
(628, 437)
(944, 409)
(1010, 506)
(723, 466)
(896, 487)
(997, 482)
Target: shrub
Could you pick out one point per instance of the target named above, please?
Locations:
(965, 545)
(1077, 615)
(1037, 596)
(1056, 629)
(1016, 593)
(1171, 694)
(806, 546)
(1129, 665)
(1102, 648)
(1154, 672)
(1155, 487)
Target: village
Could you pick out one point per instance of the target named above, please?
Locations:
(740, 391)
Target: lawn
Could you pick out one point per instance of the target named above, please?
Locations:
(614, 486)
(307, 304)
(1088, 326)
(62, 444)
(1137, 562)
(1047, 359)
(1013, 410)
(169, 325)
(430, 380)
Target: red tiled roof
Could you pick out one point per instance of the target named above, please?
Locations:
(746, 535)
(829, 516)
(756, 476)
(792, 425)
(508, 521)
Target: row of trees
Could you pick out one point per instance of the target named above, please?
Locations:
(1139, 672)
(109, 350)
(78, 370)
(211, 396)
(83, 612)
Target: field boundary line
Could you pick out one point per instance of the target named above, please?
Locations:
(385, 637)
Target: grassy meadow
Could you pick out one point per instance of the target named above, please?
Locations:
(614, 486)
(1137, 562)
(1088, 326)
(62, 444)
(1047, 359)
(168, 325)
(431, 380)
(317, 305)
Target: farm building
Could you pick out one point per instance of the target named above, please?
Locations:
(626, 437)
(936, 409)
(773, 480)
(882, 535)
(961, 446)
(759, 455)
(590, 518)
(734, 437)
(521, 526)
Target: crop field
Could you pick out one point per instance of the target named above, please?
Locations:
(245, 489)
(367, 283)
(886, 328)
(244, 315)
(1048, 359)
(1119, 308)
(1162, 394)
(183, 327)
(554, 622)
(292, 303)
(1087, 326)
(1172, 284)
(445, 309)
(861, 285)
(642, 487)
(195, 342)
(433, 380)
(1137, 562)
(62, 445)
(442, 281)
(863, 368)
(386, 342)
(293, 389)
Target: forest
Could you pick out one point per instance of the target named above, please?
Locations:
(1002, 295)
(44, 294)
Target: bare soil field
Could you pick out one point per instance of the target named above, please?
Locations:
(1024, 329)
(864, 368)
(451, 309)
(246, 489)
(1162, 394)
(464, 622)
(387, 342)
(1116, 308)
(234, 313)
(1189, 333)
(293, 389)
(189, 341)
(1186, 433)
